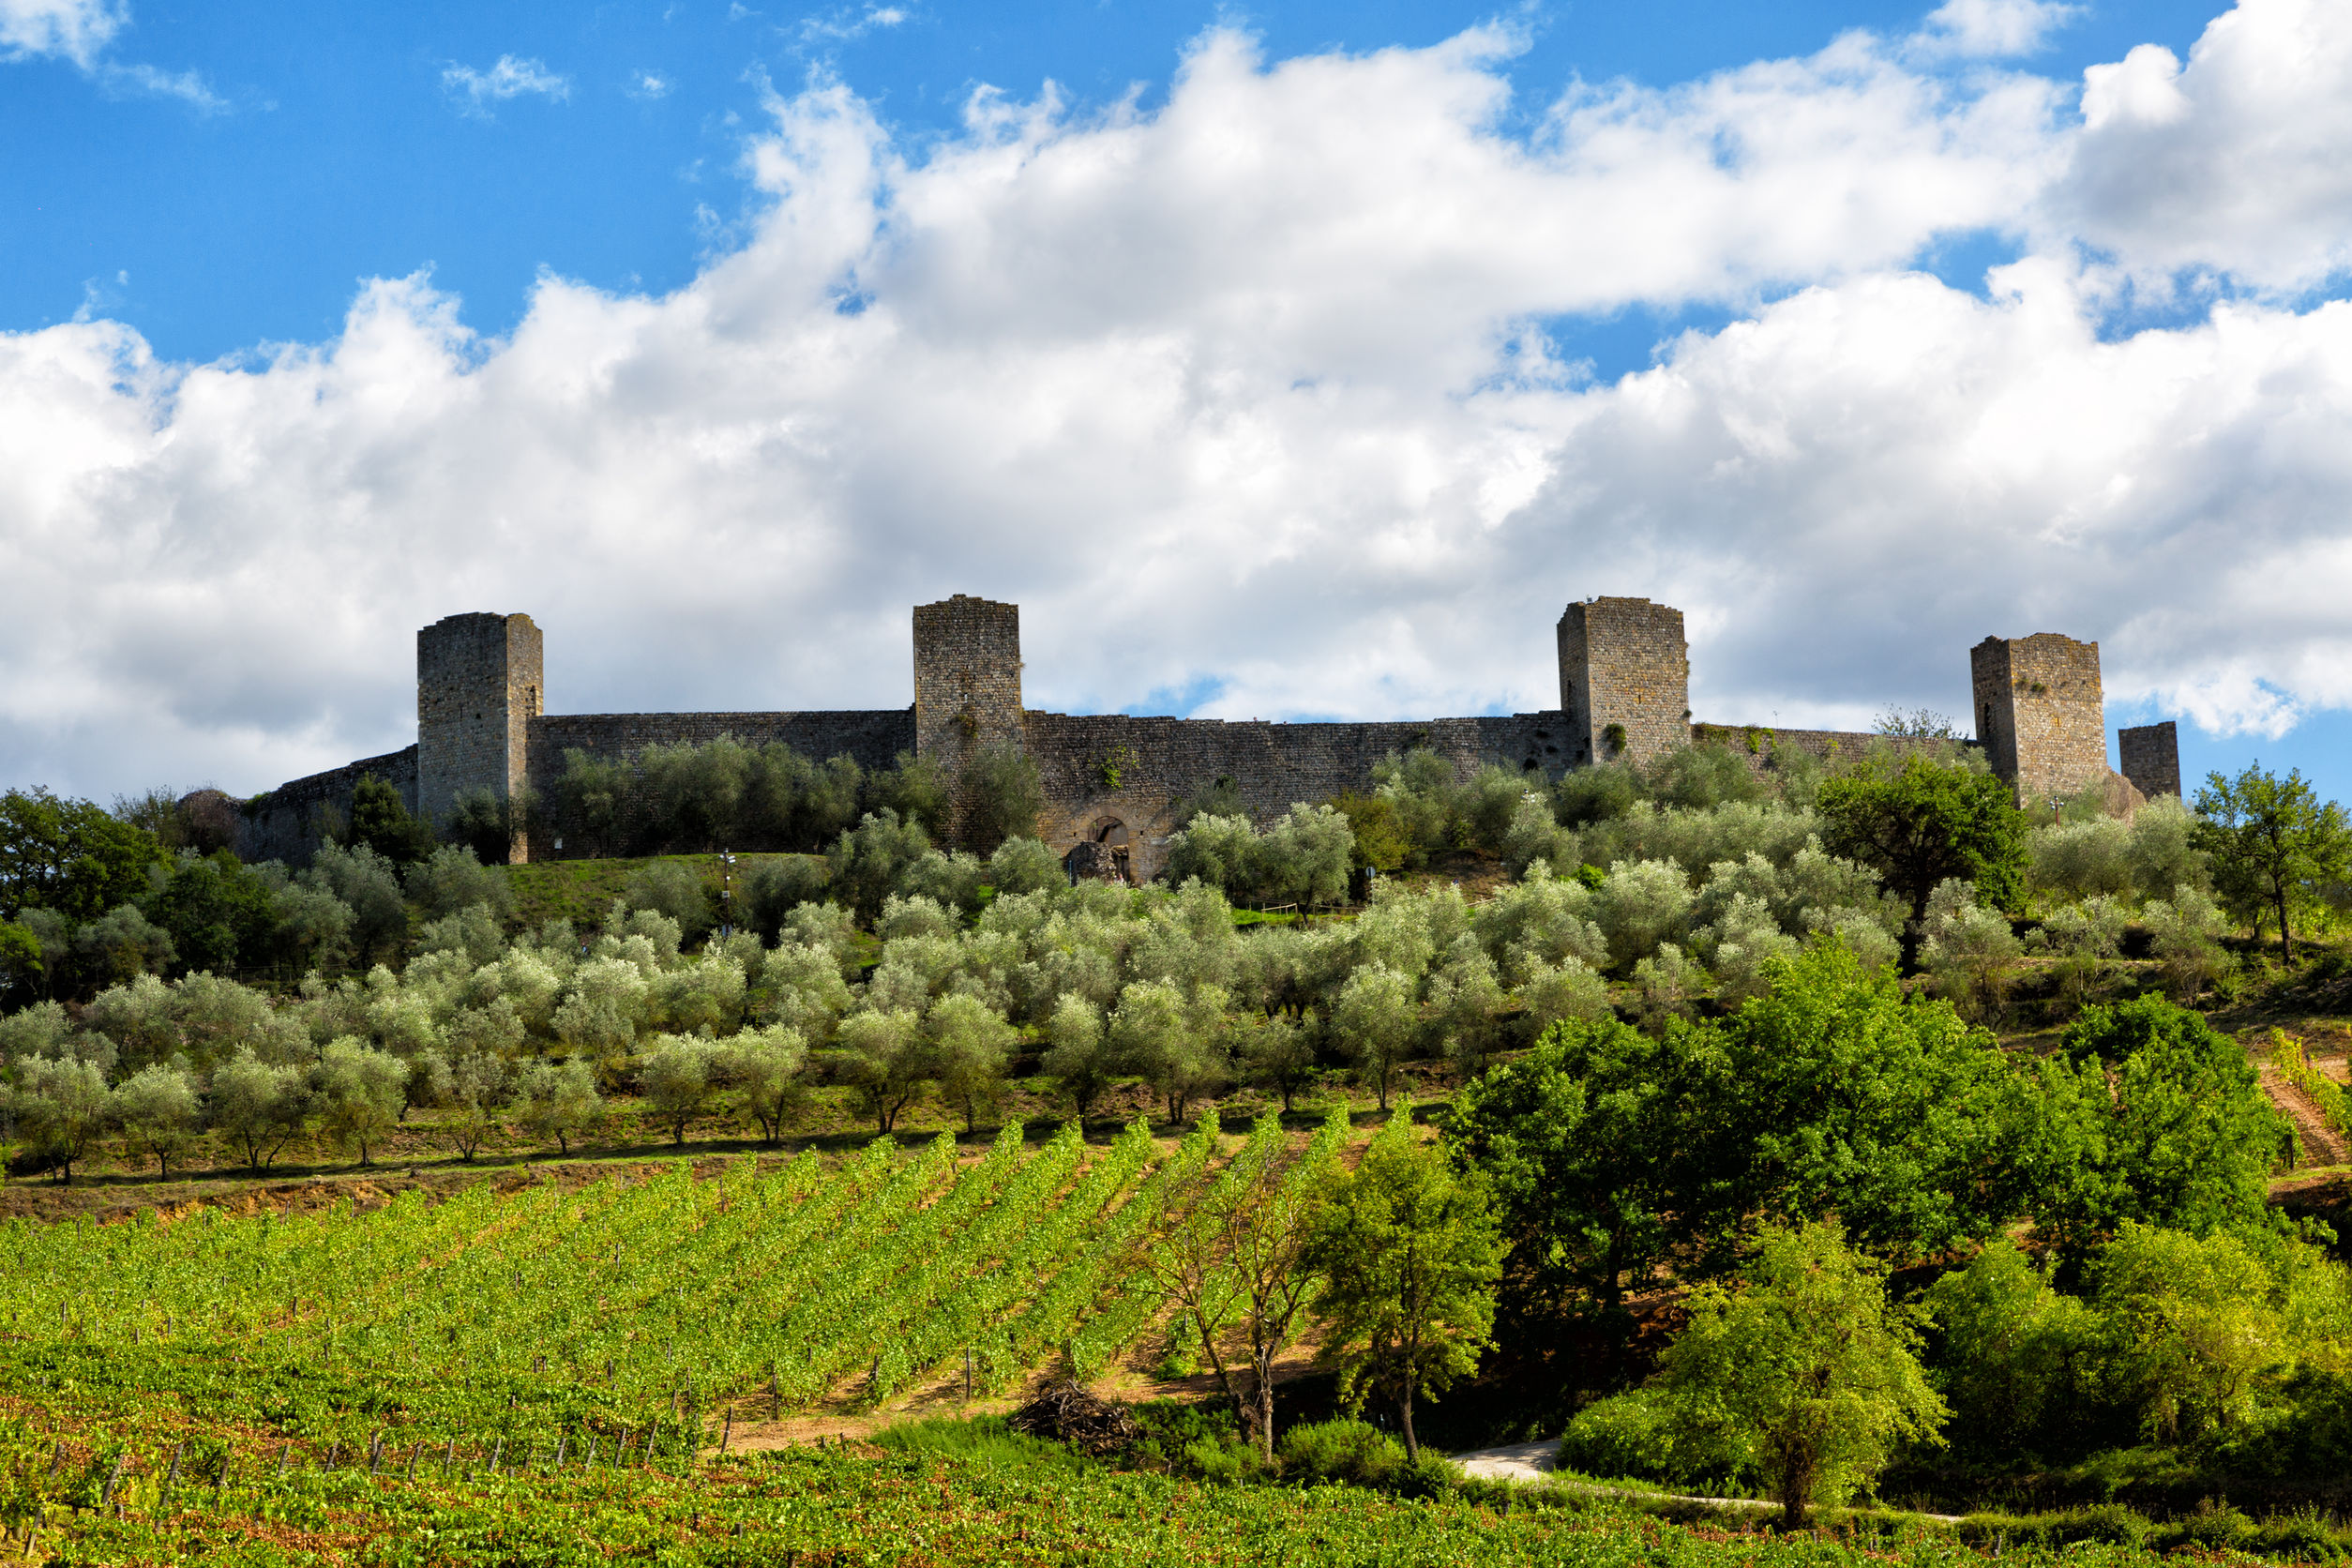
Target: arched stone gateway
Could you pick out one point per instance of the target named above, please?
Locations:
(1104, 852)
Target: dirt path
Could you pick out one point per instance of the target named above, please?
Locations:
(2321, 1144)
(1530, 1463)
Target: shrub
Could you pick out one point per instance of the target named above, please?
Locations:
(775, 888)
(1353, 1452)
(673, 888)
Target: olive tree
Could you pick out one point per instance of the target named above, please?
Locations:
(159, 1112)
(559, 1100)
(363, 1091)
(61, 1106)
(259, 1107)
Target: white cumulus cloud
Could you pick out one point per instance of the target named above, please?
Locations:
(2233, 164)
(75, 29)
(1991, 29)
(510, 78)
(1258, 403)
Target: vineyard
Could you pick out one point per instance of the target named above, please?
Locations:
(627, 1303)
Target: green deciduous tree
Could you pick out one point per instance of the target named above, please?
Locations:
(1922, 823)
(1407, 1253)
(2190, 1324)
(1228, 1250)
(2018, 1358)
(2274, 845)
(380, 819)
(1807, 1365)
(1003, 795)
(2146, 1113)
(69, 855)
(217, 912)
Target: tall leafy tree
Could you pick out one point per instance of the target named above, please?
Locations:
(1805, 1365)
(69, 855)
(217, 912)
(2148, 1114)
(1228, 1247)
(380, 819)
(2274, 844)
(1922, 821)
(1003, 795)
(1407, 1253)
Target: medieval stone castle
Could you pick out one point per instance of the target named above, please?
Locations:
(1117, 781)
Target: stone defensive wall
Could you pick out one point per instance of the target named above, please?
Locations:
(1760, 740)
(1116, 781)
(873, 736)
(285, 823)
(1117, 778)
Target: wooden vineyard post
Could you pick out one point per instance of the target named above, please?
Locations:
(727, 1431)
(413, 1451)
(967, 1374)
(775, 1395)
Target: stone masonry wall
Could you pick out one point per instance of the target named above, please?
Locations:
(284, 824)
(1624, 661)
(1134, 772)
(479, 683)
(1758, 740)
(2150, 754)
(2039, 712)
(874, 737)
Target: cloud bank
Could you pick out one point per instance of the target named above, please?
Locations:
(1256, 404)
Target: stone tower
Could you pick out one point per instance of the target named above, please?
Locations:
(2151, 758)
(1624, 680)
(2040, 714)
(967, 687)
(478, 686)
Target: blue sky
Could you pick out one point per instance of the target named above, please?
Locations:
(1293, 361)
(336, 150)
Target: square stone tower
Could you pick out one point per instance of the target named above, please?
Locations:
(2039, 712)
(2151, 758)
(967, 686)
(1624, 680)
(478, 686)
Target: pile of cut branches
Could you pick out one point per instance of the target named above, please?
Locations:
(1066, 1412)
